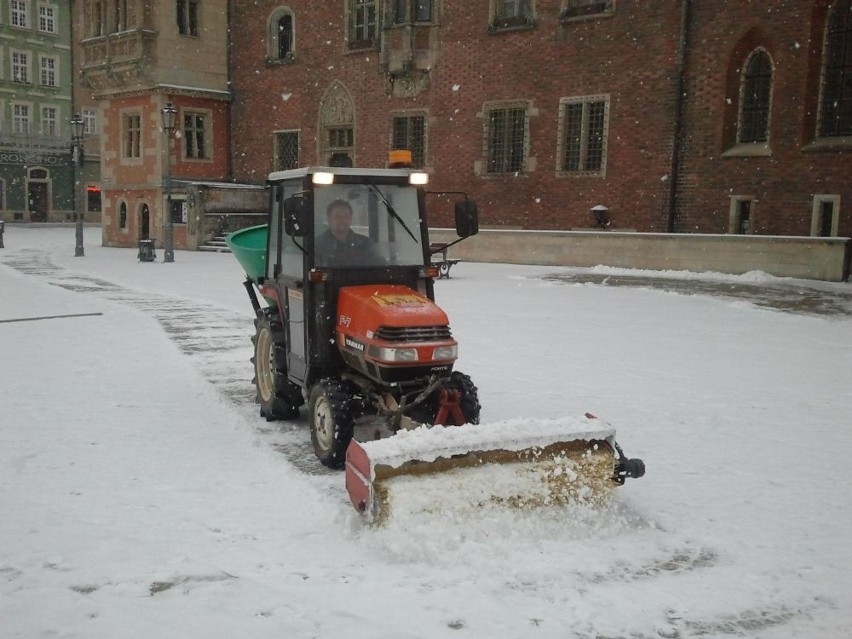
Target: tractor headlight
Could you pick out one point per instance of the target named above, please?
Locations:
(398, 354)
(418, 179)
(446, 352)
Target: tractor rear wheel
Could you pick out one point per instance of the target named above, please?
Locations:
(279, 398)
(332, 419)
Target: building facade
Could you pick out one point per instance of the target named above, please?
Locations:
(767, 119)
(37, 179)
(136, 59)
(656, 116)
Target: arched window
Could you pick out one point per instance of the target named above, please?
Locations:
(281, 36)
(836, 106)
(122, 215)
(755, 99)
(285, 36)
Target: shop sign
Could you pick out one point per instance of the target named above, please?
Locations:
(44, 159)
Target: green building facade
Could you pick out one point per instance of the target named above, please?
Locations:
(37, 173)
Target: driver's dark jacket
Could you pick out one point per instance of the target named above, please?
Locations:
(355, 250)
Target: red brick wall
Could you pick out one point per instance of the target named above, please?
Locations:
(631, 56)
(722, 34)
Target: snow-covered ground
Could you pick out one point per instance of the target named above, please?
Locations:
(141, 495)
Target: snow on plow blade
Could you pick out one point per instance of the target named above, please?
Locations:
(515, 464)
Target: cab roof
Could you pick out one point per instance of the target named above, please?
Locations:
(303, 172)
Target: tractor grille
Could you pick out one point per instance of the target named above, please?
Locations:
(413, 333)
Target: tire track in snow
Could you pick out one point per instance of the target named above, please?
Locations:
(217, 340)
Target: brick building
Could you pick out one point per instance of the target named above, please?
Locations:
(545, 109)
(135, 58)
(709, 117)
(487, 101)
(767, 119)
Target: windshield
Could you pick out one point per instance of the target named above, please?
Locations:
(367, 225)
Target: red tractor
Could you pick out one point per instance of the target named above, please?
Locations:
(350, 325)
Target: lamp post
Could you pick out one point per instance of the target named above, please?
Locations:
(77, 126)
(169, 116)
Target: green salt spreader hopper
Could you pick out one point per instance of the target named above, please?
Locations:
(249, 247)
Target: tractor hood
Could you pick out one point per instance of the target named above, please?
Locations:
(384, 328)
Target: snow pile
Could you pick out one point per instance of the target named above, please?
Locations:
(429, 443)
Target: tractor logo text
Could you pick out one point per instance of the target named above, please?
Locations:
(358, 346)
(398, 299)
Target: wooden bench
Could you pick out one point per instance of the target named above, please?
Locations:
(443, 262)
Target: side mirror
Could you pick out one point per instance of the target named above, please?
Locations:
(296, 211)
(467, 218)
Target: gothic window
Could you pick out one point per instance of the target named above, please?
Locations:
(511, 14)
(286, 150)
(281, 36)
(187, 17)
(505, 139)
(405, 11)
(119, 11)
(362, 23)
(836, 104)
(409, 132)
(131, 136)
(583, 124)
(337, 115)
(755, 99)
(285, 36)
(95, 18)
(576, 9)
(196, 135)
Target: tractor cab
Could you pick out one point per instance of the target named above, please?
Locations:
(334, 229)
(351, 328)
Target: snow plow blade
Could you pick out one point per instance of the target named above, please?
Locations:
(516, 464)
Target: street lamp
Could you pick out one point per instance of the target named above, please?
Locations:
(169, 116)
(77, 126)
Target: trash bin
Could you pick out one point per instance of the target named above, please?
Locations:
(146, 251)
(2, 228)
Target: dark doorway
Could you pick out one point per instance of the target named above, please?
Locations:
(826, 218)
(145, 223)
(37, 201)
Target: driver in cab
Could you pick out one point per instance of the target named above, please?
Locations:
(339, 245)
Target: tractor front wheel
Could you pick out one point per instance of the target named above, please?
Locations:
(331, 415)
(468, 395)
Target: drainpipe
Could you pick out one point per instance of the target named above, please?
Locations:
(229, 167)
(674, 175)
